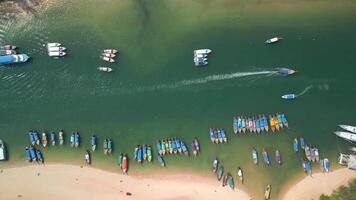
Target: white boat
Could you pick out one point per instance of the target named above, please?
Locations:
(110, 51)
(289, 96)
(7, 52)
(105, 69)
(201, 55)
(2, 151)
(8, 47)
(53, 44)
(348, 128)
(107, 59)
(346, 135)
(274, 40)
(56, 53)
(202, 51)
(109, 55)
(52, 49)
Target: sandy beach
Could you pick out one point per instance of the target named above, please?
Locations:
(320, 183)
(57, 181)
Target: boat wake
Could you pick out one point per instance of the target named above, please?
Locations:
(305, 91)
(204, 80)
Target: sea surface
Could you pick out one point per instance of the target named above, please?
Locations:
(156, 91)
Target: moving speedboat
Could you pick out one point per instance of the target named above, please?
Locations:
(110, 51)
(7, 52)
(202, 51)
(53, 49)
(105, 69)
(348, 128)
(107, 59)
(286, 71)
(289, 96)
(56, 53)
(54, 44)
(346, 135)
(273, 40)
(8, 47)
(2, 151)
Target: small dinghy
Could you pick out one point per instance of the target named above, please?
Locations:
(240, 175)
(215, 165)
(109, 55)
(53, 44)
(265, 156)
(112, 51)
(54, 49)
(254, 156)
(87, 158)
(105, 69)
(2, 151)
(278, 157)
(273, 40)
(107, 59)
(56, 53)
(220, 172)
(286, 71)
(61, 137)
(160, 160)
(93, 142)
(289, 96)
(125, 164)
(268, 192)
(230, 181)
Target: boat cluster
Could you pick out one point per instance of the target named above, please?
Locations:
(265, 156)
(217, 135)
(8, 55)
(349, 134)
(107, 55)
(56, 49)
(259, 123)
(174, 146)
(201, 57)
(75, 140)
(33, 154)
(226, 178)
(35, 139)
(123, 162)
(107, 146)
(143, 153)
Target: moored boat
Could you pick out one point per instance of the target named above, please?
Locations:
(107, 59)
(28, 154)
(53, 138)
(161, 161)
(61, 137)
(44, 139)
(109, 55)
(202, 51)
(53, 44)
(125, 164)
(326, 164)
(2, 151)
(220, 172)
(273, 40)
(348, 128)
(87, 157)
(265, 156)
(268, 192)
(240, 175)
(346, 135)
(39, 156)
(12, 59)
(112, 51)
(289, 96)
(295, 145)
(54, 49)
(76, 139)
(149, 153)
(254, 156)
(286, 71)
(56, 53)
(8, 47)
(278, 157)
(93, 142)
(215, 165)
(7, 52)
(230, 181)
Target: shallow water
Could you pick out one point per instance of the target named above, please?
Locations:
(156, 92)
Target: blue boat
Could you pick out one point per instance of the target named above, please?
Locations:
(174, 146)
(308, 167)
(32, 137)
(139, 155)
(72, 140)
(12, 59)
(326, 165)
(161, 161)
(258, 127)
(184, 149)
(178, 146)
(37, 139)
(39, 156)
(93, 142)
(144, 152)
(76, 139)
(265, 157)
(220, 138)
(32, 153)
(235, 125)
(286, 71)
(53, 138)
(159, 147)
(28, 155)
(289, 96)
(302, 142)
(295, 145)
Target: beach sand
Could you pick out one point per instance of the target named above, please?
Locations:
(320, 183)
(58, 181)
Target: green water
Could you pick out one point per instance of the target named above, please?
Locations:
(156, 92)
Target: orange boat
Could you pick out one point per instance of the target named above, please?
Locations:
(124, 166)
(272, 123)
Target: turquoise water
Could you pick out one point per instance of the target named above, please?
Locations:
(156, 92)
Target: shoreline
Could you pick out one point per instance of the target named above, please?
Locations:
(76, 181)
(312, 187)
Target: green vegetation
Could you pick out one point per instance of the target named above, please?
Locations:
(343, 192)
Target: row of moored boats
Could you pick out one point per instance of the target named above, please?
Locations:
(56, 49)
(107, 55)
(217, 135)
(257, 124)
